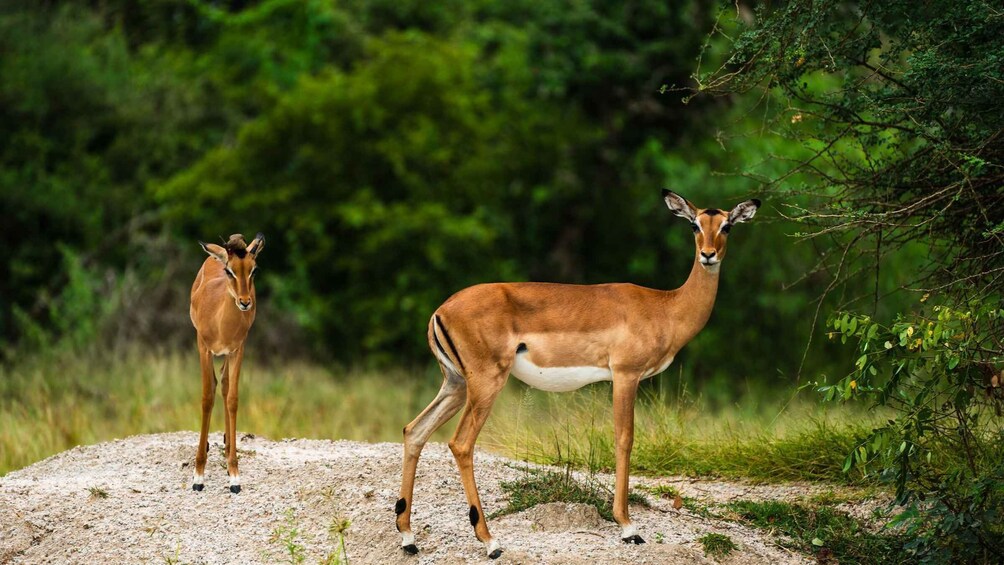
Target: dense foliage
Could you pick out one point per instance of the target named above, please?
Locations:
(392, 152)
(898, 108)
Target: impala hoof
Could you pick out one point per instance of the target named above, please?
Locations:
(410, 549)
(635, 539)
(495, 554)
(198, 487)
(237, 488)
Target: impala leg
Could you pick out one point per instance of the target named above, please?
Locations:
(225, 382)
(233, 378)
(448, 402)
(479, 405)
(208, 395)
(625, 392)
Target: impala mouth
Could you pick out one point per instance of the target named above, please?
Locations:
(243, 307)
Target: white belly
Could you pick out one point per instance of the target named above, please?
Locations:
(557, 379)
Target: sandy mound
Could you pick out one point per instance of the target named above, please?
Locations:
(130, 501)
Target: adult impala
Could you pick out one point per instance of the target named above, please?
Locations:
(223, 308)
(560, 337)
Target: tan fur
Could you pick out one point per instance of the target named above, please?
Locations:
(221, 328)
(630, 330)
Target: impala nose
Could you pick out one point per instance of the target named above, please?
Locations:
(706, 255)
(244, 304)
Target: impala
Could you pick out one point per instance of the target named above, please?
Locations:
(222, 311)
(560, 337)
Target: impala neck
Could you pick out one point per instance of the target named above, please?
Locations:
(692, 303)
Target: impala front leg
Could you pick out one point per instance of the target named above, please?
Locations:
(208, 395)
(225, 382)
(625, 393)
(233, 378)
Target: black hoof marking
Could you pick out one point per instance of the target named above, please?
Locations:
(474, 516)
(495, 554)
(400, 506)
(410, 549)
(635, 539)
(198, 487)
(237, 488)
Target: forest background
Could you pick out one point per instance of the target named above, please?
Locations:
(394, 152)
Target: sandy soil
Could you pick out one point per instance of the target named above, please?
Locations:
(54, 511)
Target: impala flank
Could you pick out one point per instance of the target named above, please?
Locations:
(559, 337)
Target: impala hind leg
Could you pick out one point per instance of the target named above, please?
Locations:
(479, 405)
(208, 395)
(448, 402)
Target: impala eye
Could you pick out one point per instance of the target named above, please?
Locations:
(726, 228)
(230, 273)
(695, 227)
(254, 271)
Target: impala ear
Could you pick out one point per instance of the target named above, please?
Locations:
(257, 244)
(679, 205)
(215, 251)
(744, 211)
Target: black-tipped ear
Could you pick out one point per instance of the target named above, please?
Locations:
(679, 205)
(215, 251)
(744, 211)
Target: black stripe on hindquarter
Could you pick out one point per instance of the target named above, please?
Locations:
(453, 348)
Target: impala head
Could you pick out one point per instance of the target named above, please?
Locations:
(711, 226)
(238, 259)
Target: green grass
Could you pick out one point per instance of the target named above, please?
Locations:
(48, 405)
(679, 435)
(822, 531)
(717, 545)
(538, 486)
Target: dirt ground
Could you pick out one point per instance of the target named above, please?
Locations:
(130, 501)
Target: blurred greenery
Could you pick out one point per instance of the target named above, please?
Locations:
(392, 152)
(395, 152)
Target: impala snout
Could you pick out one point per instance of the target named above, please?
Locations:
(709, 257)
(244, 305)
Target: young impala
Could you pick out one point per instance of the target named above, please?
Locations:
(560, 337)
(223, 307)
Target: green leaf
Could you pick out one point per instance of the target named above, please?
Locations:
(817, 542)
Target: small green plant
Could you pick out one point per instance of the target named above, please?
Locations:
(821, 530)
(336, 530)
(288, 536)
(699, 508)
(173, 559)
(97, 492)
(717, 545)
(542, 486)
(668, 492)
